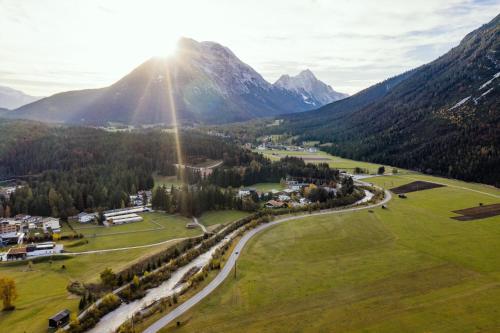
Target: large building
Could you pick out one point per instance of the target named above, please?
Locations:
(8, 226)
(51, 224)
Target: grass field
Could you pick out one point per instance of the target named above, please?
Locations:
(167, 181)
(333, 161)
(267, 187)
(409, 268)
(221, 217)
(42, 291)
(156, 227)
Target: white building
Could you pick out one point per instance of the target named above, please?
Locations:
(126, 218)
(123, 211)
(283, 197)
(86, 217)
(51, 223)
(43, 249)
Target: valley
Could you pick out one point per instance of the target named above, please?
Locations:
(266, 166)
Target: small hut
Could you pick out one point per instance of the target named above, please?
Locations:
(59, 320)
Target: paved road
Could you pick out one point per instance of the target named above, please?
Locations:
(228, 267)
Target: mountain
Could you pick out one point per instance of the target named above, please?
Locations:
(442, 117)
(312, 90)
(204, 83)
(12, 99)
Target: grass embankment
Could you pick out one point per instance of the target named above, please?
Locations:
(155, 228)
(217, 217)
(190, 291)
(409, 268)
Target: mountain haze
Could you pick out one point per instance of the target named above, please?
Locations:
(204, 83)
(12, 98)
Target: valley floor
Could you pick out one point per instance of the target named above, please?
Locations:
(408, 268)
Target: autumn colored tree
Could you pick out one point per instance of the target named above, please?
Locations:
(8, 292)
(108, 278)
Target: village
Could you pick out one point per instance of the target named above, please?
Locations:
(25, 236)
(295, 193)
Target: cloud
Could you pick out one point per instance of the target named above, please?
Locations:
(59, 45)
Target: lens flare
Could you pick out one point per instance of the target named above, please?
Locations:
(173, 111)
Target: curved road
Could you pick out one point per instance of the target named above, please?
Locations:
(226, 270)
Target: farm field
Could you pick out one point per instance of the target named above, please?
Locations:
(221, 217)
(322, 157)
(42, 290)
(156, 227)
(408, 268)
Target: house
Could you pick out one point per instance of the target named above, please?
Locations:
(136, 200)
(60, 319)
(312, 150)
(8, 226)
(298, 186)
(246, 192)
(22, 217)
(283, 197)
(86, 217)
(9, 238)
(16, 253)
(274, 204)
(51, 224)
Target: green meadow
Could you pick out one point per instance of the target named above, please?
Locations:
(407, 268)
(155, 228)
(221, 217)
(322, 157)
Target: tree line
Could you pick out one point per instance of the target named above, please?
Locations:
(66, 170)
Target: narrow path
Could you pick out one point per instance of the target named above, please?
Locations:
(228, 267)
(195, 220)
(123, 248)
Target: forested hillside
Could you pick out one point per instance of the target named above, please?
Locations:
(70, 169)
(443, 118)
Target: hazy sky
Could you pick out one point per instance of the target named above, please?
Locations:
(48, 46)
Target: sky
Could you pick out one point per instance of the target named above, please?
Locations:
(49, 46)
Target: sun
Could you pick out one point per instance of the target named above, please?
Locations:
(164, 46)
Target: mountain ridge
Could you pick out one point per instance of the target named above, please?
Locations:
(204, 83)
(314, 91)
(440, 118)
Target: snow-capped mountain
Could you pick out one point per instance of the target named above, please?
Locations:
(312, 90)
(203, 83)
(12, 99)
